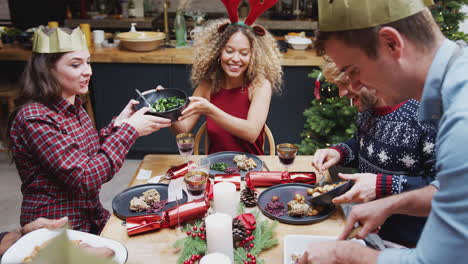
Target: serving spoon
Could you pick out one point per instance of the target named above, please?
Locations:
(146, 101)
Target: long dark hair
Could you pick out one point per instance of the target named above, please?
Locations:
(38, 84)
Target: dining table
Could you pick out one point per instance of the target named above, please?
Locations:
(158, 246)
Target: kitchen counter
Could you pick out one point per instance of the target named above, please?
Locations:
(159, 56)
(146, 23)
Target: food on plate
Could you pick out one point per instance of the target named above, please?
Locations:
(219, 166)
(224, 167)
(244, 163)
(314, 192)
(295, 257)
(96, 251)
(149, 201)
(167, 104)
(298, 207)
(275, 207)
(231, 170)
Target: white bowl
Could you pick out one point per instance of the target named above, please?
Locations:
(299, 43)
(297, 244)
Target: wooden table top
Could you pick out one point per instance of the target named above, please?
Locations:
(160, 56)
(157, 247)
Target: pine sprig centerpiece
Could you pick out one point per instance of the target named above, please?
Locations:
(261, 238)
(193, 244)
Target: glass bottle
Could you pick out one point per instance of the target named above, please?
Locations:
(131, 9)
(180, 28)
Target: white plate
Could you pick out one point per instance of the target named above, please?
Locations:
(297, 244)
(25, 245)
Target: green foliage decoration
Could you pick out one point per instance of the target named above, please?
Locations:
(448, 14)
(263, 233)
(328, 121)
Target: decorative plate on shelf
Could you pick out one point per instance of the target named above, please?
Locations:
(228, 158)
(121, 202)
(285, 193)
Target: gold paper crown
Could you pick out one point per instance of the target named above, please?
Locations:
(339, 15)
(59, 41)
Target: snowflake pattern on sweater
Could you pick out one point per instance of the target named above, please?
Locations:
(393, 145)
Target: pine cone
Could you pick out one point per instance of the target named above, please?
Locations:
(249, 197)
(239, 232)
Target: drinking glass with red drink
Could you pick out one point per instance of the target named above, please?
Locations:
(185, 143)
(196, 177)
(286, 154)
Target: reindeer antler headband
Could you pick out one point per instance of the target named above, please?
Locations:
(257, 7)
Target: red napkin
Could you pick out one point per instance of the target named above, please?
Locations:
(233, 178)
(248, 220)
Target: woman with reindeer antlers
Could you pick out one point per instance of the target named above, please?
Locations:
(235, 71)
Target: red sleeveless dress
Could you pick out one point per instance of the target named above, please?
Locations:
(236, 103)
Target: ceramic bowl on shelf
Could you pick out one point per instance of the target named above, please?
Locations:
(141, 40)
(299, 43)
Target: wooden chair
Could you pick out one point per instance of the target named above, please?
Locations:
(267, 135)
(8, 94)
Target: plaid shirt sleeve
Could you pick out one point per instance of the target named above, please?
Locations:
(57, 150)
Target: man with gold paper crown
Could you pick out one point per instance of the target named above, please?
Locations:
(61, 159)
(395, 47)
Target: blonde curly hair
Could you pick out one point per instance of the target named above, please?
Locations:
(265, 61)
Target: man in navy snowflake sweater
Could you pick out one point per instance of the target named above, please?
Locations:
(392, 151)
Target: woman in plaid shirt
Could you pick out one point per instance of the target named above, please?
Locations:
(61, 159)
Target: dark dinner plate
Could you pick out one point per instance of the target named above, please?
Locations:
(121, 202)
(228, 156)
(326, 198)
(286, 193)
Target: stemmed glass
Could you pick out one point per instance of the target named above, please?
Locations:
(286, 154)
(185, 143)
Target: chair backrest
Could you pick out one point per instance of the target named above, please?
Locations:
(267, 135)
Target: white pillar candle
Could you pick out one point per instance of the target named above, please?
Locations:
(225, 198)
(219, 234)
(215, 258)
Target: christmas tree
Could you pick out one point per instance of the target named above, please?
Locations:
(447, 13)
(329, 120)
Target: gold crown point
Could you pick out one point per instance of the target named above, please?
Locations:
(59, 41)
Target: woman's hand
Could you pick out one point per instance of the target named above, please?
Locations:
(147, 124)
(198, 105)
(126, 113)
(44, 223)
(325, 158)
(363, 190)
